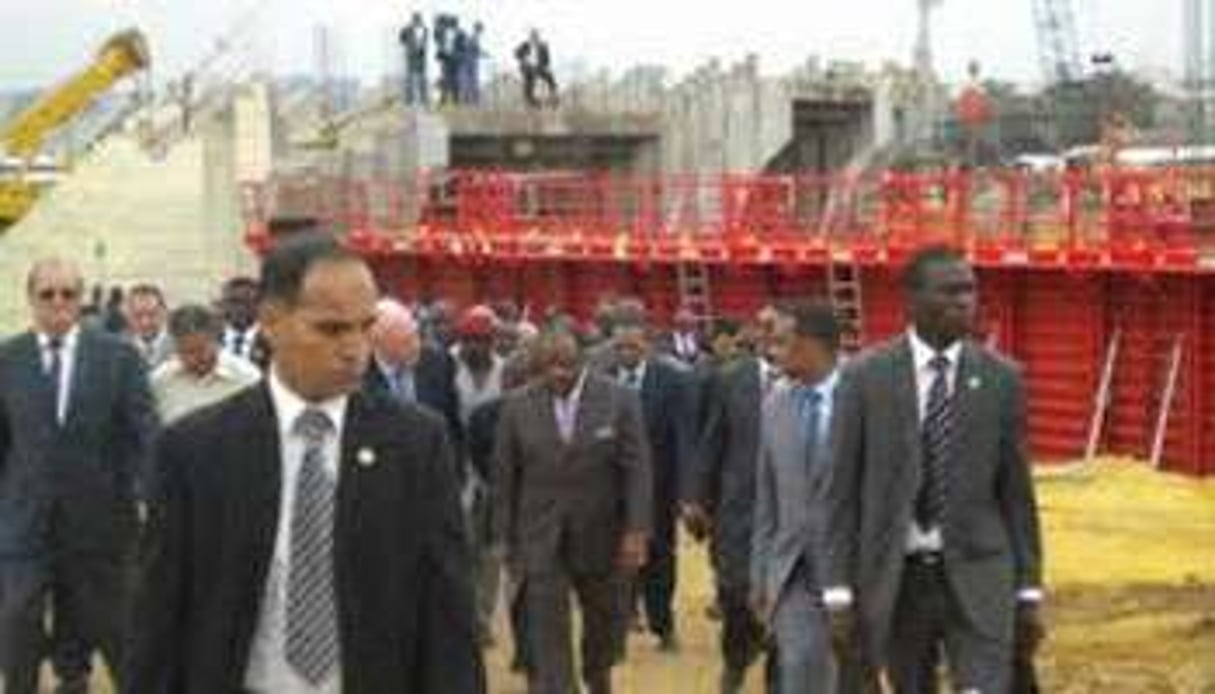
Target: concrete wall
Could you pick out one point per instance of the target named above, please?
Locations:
(127, 217)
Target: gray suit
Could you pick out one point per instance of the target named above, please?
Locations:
(561, 509)
(990, 528)
(67, 499)
(787, 545)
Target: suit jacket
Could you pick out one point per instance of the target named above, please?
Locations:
(160, 351)
(434, 381)
(668, 428)
(404, 596)
(72, 488)
(991, 532)
(790, 501)
(725, 481)
(571, 502)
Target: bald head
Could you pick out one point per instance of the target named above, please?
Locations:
(395, 337)
(53, 288)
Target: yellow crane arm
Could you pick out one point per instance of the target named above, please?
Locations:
(122, 54)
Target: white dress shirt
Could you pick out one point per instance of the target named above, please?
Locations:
(268, 671)
(248, 339)
(67, 366)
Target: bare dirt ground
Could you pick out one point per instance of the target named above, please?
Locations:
(1131, 574)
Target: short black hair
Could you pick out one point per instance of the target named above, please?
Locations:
(816, 319)
(194, 319)
(726, 326)
(288, 262)
(917, 266)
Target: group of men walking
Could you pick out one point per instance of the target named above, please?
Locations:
(318, 489)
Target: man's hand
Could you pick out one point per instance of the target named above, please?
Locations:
(1031, 629)
(842, 620)
(632, 553)
(697, 521)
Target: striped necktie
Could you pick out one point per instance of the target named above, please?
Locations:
(312, 634)
(937, 443)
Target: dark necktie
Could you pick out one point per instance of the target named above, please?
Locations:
(238, 343)
(937, 443)
(54, 371)
(810, 415)
(312, 638)
(632, 379)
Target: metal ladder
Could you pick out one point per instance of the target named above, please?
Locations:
(844, 291)
(1166, 400)
(1101, 401)
(695, 290)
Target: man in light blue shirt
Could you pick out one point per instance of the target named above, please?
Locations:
(790, 509)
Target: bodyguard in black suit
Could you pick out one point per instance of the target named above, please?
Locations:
(933, 534)
(663, 388)
(307, 536)
(76, 418)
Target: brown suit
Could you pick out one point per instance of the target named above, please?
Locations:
(561, 509)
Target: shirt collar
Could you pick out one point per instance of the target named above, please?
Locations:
(288, 405)
(576, 394)
(922, 353)
(69, 339)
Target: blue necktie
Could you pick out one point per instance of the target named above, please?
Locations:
(810, 413)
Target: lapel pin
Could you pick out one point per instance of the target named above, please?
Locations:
(974, 383)
(366, 457)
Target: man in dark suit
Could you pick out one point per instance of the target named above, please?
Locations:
(263, 573)
(720, 498)
(573, 511)
(934, 544)
(76, 419)
(684, 341)
(662, 386)
(407, 370)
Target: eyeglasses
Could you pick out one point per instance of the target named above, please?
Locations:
(64, 293)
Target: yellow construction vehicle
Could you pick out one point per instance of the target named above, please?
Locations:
(22, 138)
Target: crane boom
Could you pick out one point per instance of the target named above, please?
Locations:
(122, 54)
(1058, 40)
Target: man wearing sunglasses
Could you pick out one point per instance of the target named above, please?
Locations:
(75, 421)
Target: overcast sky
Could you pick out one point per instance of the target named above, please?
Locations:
(47, 38)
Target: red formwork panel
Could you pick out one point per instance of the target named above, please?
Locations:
(798, 282)
(658, 284)
(998, 319)
(542, 287)
(1182, 442)
(739, 290)
(1203, 462)
(1059, 340)
(1137, 308)
(882, 304)
(587, 283)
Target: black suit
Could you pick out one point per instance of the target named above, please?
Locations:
(668, 424)
(67, 501)
(434, 382)
(404, 596)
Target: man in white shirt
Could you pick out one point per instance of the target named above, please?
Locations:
(242, 336)
(199, 373)
(933, 533)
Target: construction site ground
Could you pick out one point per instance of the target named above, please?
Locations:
(1131, 573)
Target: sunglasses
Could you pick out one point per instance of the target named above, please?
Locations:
(65, 293)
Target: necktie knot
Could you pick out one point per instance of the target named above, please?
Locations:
(54, 343)
(313, 425)
(939, 364)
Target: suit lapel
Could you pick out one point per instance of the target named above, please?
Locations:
(907, 410)
(545, 414)
(34, 375)
(966, 392)
(588, 416)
